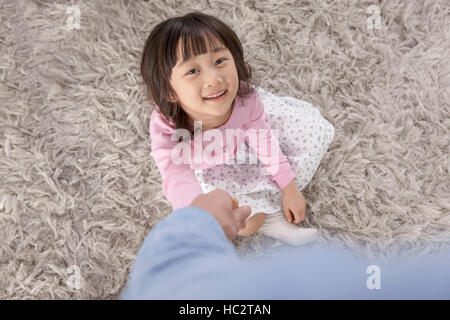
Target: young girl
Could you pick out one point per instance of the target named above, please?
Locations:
(195, 75)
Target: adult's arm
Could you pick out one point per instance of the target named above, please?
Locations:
(188, 256)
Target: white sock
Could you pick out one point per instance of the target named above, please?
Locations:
(276, 226)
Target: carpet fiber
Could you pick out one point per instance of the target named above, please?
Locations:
(79, 191)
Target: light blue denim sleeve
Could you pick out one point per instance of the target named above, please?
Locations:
(187, 256)
(181, 257)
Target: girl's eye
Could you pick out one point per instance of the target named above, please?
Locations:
(189, 73)
(222, 59)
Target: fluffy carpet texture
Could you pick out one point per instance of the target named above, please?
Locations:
(79, 191)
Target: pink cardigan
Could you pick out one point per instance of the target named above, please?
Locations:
(179, 182)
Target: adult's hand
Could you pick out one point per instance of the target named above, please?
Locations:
(225, 209)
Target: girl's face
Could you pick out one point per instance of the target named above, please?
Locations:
(205, 75)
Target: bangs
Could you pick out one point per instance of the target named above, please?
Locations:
(193, 44)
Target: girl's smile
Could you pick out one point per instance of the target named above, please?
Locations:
(216, 96)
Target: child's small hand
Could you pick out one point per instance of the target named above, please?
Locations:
(294, 203)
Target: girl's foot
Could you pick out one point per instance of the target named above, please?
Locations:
(277, 227)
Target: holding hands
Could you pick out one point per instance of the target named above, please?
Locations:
(225, 209)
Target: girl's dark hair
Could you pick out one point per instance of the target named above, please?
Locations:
(160, 56)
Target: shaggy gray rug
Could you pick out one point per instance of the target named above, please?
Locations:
(79, 191)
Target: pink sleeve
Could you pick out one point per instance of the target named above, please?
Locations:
(179, 183)
(263, 142)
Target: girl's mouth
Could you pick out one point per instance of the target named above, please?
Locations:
(217, 98)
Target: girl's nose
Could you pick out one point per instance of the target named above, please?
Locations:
(213, 78)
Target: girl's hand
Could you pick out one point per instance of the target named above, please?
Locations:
(294, 203)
